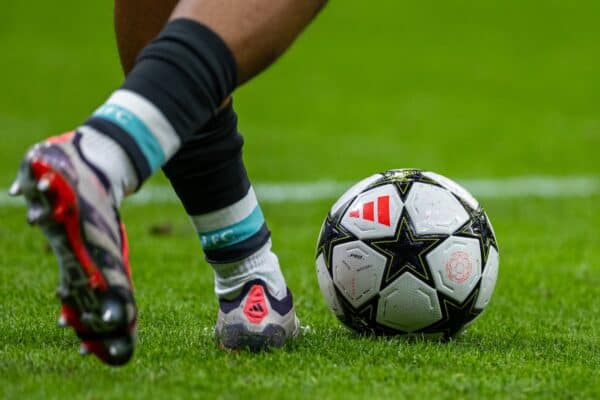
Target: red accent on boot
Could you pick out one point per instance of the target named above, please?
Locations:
(256, 308)
(65, 137)
(65, 210)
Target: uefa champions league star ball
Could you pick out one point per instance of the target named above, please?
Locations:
(407, 252)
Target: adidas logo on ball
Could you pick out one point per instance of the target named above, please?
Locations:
(368, 211)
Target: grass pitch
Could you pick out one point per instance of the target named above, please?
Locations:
(468, 89)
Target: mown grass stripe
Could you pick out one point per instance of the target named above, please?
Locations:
(277, 192)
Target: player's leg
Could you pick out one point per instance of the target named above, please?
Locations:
(257, 31)
(209, 176)
(137, 22)
(74, 184)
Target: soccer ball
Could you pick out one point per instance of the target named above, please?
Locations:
(407, 252)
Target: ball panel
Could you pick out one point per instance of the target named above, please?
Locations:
(357, 271)
(434, 210)
(374, 213)
(455, 315)
(456, 266)
(326, 286)
(455, 188)
(408, 304)
(353, 191)
(488, 279)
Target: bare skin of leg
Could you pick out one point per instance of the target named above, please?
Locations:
(137, 22)
(257, 31)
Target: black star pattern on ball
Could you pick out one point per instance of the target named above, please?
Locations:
(403, 188)
(479, 227)
(331, 234)
(403, 175)
(404, 180)
(361, 319)
(455, 316)
(406, 251)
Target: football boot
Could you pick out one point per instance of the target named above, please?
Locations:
(255, 320)
(71, 201)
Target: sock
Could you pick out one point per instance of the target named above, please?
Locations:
(237, 244)
(117, 168)
(175, 88)
(209, 176)
(263, 264)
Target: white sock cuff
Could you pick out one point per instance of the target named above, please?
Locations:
(226, 216)
(135, 105)
(263, 264)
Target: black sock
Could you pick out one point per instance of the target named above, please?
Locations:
(176, 87)
(208, 174)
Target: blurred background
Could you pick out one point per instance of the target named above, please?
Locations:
(466, 88)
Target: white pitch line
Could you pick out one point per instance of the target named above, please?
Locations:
(515, 187)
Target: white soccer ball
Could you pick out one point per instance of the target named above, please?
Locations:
(407, 252)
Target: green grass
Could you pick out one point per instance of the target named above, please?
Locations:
(468, 89)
